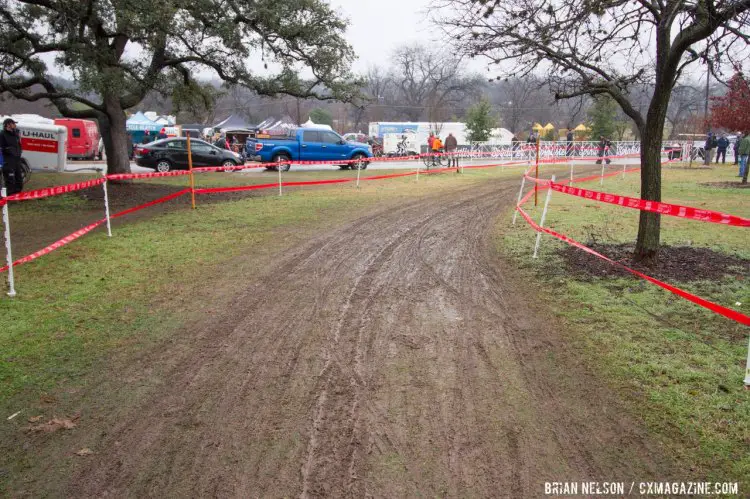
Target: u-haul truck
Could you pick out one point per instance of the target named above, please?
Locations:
(44, 146)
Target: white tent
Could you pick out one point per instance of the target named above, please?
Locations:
(309, 124)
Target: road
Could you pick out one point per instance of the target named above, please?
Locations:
(396, 356)
(86, 167)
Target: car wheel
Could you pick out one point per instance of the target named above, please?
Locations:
(359, 162)
(229, 165)
(163, 166)
(279, 158)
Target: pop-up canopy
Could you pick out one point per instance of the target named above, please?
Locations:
(140, 122)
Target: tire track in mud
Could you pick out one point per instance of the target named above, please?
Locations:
(391, 357)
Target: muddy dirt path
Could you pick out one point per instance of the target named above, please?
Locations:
(393, 357)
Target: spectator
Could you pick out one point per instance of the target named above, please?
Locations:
(603, 150)
(451, 146)
(146, 139)
(430, 140)
(721, 149)
(569, 138)
(10, 147)
(744, 151)
(737, 147)
(437, 145)
(708, 147)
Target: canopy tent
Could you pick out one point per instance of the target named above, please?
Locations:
(233, 123)
(549, 126)
(139, 122)
(273, 126)
(537, 127)
(581, 128)
(309, 124)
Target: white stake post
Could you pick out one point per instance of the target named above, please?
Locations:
(541, 222)
(8, 252)
(601, 182)
(358, 171)
(106, 203)
(623, 171)
(747, 370)
(418, 165)
(279, 170)
(571, 172)
(520, 195)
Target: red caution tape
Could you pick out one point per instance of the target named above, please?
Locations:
(57, 244)
(132, 176)
(54, 191)
(719, 309)
(151, 203)
(674, 210)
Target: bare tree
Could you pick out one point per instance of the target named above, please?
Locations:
(431, 84)
(591, 48)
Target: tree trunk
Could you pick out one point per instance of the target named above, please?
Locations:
(115, 135)
(649, 226)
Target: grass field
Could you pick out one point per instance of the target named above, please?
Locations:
(681, 366)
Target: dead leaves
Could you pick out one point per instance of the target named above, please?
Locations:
(53, 425)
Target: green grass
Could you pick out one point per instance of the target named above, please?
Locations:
(680, 365)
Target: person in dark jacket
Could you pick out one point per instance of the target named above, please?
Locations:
(569, 138)
(451, 146)
(737, 148)
(721, 149)
(604, 149)
(10, 146)
(709, 147)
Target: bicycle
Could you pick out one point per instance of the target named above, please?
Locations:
(435, 159)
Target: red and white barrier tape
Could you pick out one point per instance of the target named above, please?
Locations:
(719, 309)
(54, 191)
(85, 230)
(674, 210)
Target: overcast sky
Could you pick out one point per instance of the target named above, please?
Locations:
(377, 27)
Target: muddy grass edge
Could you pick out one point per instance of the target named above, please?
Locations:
(679, 368)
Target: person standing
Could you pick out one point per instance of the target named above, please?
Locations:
(451, 147)
(430, 140)
(737, 148)
(708, 147)
(744, 151)
(569, 138)
(721, 149)
(10, 146)
(437, 146)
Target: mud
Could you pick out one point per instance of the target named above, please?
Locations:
(396, 356)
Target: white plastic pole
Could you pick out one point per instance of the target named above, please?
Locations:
(358, 170)
(8, 252)
(601, 182)
(747, 369)
(541, 222)
(418, 172)
(571, 172)
(623, 171)
(279, 169)
(520, 195)
(106, 204)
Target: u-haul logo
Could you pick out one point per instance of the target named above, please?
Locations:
(32, 134)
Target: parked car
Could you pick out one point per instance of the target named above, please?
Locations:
(306, 144)
(83, 138)
(171, 154)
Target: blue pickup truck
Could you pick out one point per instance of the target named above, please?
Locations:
(306, 144)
